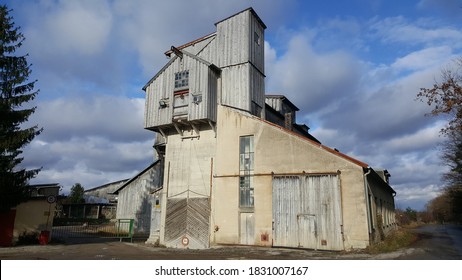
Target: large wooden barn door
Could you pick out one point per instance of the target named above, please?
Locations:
(187, 223)
(307, 212)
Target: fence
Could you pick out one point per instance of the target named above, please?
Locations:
(88, 228)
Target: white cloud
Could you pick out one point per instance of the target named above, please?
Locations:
(415, 197)
(448, 8)
(312, 80)
(91, 140)
(72, 28)
(116, 118)
(424, 58)
(423, 139)
(400, 30)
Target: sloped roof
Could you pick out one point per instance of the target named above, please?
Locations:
(106, 185)
(209, 64)
(169, 52)
(327, 149)
(136, 177)
(284, 99)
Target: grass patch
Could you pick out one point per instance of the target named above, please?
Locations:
(400, 238)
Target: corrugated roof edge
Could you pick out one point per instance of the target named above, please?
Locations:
(135, 177)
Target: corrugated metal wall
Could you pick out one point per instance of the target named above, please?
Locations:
(307, 212)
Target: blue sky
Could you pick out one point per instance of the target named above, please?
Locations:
(352, 67)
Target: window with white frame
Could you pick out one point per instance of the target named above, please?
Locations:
(246, 167)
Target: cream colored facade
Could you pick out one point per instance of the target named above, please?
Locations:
(206, 167)
(278, 152)
(32, 217)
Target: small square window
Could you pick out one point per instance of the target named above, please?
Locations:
(181, 80)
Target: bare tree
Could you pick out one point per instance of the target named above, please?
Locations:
(446, 97)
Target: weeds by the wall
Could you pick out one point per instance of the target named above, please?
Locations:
(400, 238)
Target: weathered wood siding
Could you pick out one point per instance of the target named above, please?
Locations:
(307, 212)
(257, 88)
(240, 54)
(202, 84)
(233, 39)
(135, 200)
(257, 49)
(187, 218)
(235, 87)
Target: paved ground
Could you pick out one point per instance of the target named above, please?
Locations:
(437, 242)
(115, 250)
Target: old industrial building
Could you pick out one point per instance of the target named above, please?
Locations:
(233, 165)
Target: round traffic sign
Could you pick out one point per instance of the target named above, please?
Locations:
(51, 199)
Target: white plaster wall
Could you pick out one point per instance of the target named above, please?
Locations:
(189, 160)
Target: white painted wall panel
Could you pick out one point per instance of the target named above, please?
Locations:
(307, 212)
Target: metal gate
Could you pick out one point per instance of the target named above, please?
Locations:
(93, 229)
(307, 212)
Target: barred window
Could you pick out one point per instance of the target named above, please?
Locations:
(246, 166)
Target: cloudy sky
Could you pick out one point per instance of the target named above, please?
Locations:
(352, 67)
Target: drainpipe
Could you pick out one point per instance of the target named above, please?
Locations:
(368, 207)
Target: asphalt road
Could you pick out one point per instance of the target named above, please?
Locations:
(436, 242)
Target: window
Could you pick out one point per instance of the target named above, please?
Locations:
(181, 94)
(246, 167)
(181, 80)
(256, 38)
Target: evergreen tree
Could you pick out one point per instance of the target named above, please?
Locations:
(15, 91)
(76, 194)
